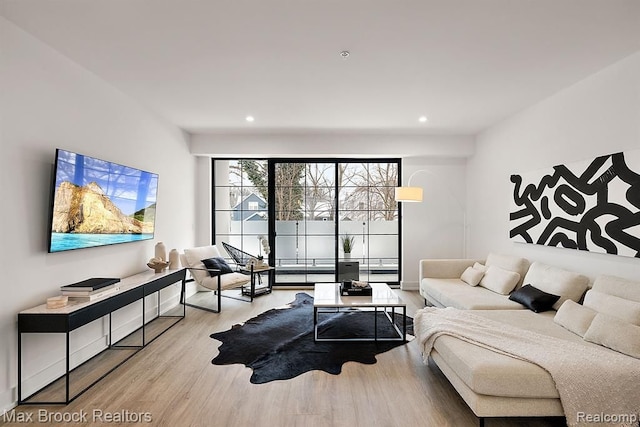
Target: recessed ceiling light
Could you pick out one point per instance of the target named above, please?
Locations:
(249, 118)
(422, 119)
(344, 54)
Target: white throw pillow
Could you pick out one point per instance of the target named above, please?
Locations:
(556, 281)
(575, 317)
(509, 263)
(617, 286)
(471, 276)
(499, 280)
(480, 267)
(612, 332)
(628, 311)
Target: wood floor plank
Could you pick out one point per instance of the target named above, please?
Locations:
(175, 382)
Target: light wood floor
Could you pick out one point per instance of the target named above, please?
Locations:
(174, 381)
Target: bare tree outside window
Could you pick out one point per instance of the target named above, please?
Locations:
(319, 194)
(367, 192)
(371, 196)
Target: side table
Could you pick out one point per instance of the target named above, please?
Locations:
(256, 287)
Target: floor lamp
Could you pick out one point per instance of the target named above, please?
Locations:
(415, 194)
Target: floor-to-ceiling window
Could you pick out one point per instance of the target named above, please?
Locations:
(305, 222)
(240, 209)
(307, 209)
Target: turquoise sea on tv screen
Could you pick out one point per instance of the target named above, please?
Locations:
(68, 241)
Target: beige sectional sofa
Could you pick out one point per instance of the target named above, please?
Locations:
(497, 385)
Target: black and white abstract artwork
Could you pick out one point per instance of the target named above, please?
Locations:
(591, 205)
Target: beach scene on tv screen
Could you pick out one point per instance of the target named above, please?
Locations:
(98, 203)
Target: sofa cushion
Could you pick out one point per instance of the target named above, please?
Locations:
(574, 317)
(494, 374)
(556, 281)
(472, 276)
(628, 311)
(435, 287)
(623, 288)
(499, 280)
(456, 293)
(534, 299)
(490, 373)
(509, 262)
(227, 281)
(485, 405)
(480, 267)
(615, 334)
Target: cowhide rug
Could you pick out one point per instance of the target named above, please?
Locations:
(278, 344)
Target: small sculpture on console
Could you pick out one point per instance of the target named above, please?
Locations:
(157, 264)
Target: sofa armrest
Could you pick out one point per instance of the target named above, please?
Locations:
(444, 268)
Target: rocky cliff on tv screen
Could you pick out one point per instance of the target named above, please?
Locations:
(97, 202)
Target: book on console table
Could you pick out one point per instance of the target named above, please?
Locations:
(80, 297)
(96, 293)
(91, 285)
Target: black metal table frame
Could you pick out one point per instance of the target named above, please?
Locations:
(67, 322)
(402, 335)
(251, 292)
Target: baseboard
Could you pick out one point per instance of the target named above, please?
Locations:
(409, 286)
(8, 400)
(56, 369)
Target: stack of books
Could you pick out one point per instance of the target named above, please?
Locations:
(91, 289)
(355, 288)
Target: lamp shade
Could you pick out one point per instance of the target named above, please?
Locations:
(408, 194)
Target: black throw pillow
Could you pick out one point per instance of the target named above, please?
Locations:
(534, 299)
(217, 263)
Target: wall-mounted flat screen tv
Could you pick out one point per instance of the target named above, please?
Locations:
(96, 202)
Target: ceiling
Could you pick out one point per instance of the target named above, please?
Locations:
(204, 65)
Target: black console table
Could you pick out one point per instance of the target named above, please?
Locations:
(64, 320)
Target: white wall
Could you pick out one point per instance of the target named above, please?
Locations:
(48, 101)
(435, 227)
(600, 115)
(331, 144)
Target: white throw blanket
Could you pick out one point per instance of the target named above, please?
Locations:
(594, 384)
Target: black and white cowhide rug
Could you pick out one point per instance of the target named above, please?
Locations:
(278, 344)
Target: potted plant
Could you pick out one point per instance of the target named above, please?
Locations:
(347, 244)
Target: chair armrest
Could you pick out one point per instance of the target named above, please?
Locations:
(444, 268)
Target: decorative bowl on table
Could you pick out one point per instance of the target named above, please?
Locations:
(157, 264)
